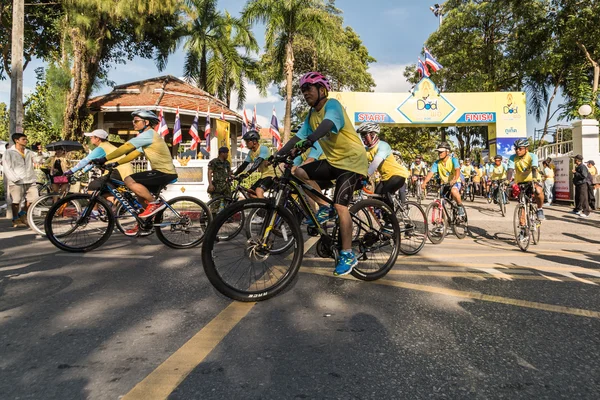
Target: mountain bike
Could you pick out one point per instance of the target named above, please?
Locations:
(255, 268)
(498, 194)
(417, 189)
(83, 222)
(526, 223)
(468, 191)
(439, 216)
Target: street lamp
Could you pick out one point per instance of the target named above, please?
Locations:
(438, 10)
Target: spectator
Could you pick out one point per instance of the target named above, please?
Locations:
(580, 180)
(40, 157)
(21, 177)
(591, 165)
(58, 165)
(219, 169)
(548, 182)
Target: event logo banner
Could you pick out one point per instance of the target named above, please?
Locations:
(426, 105)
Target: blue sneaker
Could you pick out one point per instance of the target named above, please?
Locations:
(347, 262)
(322, 215)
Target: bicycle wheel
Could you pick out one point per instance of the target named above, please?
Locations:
(79, 223)
(255, 222)
(376, 245)
(419, 195)
(522, 233)
(413, 227)
(437, 224)
(36, 214)
(460, 225)
(535, 225)
(43, 188)
(184, 223)
(124, 220)
(471, 193)
(245, 269)
(500, 197)
(236, 222)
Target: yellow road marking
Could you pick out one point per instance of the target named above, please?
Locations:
(471, 295)
(540, 277)
(163, 380)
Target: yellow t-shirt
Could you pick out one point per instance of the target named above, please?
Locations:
(389, 167)
(445, 169)
(342, 147)
(467, 170)
(523, 166)
(126, 169)
(498, 173)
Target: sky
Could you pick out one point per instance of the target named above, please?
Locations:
(392, 30)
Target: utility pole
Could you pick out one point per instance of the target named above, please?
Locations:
(16, 72)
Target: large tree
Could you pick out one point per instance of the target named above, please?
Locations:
(97, 34)
(285, 22)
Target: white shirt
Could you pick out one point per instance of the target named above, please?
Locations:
(18, 169)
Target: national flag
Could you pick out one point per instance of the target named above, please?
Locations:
(163, 129)
(194, 133)
(254, 125)
(222, 115)
(422, 68)
(207, 130)
(177, 135)
(432, 62)
(244, 128)
(275, 131)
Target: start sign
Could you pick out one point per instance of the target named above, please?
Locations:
(361, 117)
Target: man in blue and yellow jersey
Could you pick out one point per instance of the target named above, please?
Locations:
(257, 159)
(448, 169)
(379, 153)
(497, 173)
(149, 143)
(345, 157)
(524, 166)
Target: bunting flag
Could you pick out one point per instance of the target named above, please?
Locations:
(275, 131)
(177, 135)
(422, 68)
(194, 133)
(254, 125)
(207, 130)
(432, 62)
(163, 129)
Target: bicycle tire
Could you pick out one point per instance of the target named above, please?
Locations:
(37, 211)
(419, 194)
(214, 205)
(437, 226)
(105, 223)
(279, 229)
(213, 254)
(500, 200)
(536, 227)
(521, 239)
(124, 221)
(184, 224)
(413, 232)
(365, 242)
(471, 193)
(460, 228)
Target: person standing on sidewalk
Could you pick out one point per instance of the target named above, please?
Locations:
(219, 171)
(20, 174)
(591, 165)
(548, 174)
(580, 180)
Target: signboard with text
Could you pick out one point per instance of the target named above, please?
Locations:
(562, 178)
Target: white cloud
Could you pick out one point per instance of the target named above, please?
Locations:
(389, 78)
(253, 96)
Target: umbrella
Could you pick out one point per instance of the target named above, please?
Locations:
(66, 145)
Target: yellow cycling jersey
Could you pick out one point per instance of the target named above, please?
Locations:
(523, 166)
(498, 173)
(389, 167)
(126, 169)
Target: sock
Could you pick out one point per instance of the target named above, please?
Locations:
(347, 251)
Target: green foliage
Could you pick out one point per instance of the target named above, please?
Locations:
(411, 142)
(4, 122)
(2, 194)
(57, 84)
(38, 123)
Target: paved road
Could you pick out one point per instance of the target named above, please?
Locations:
(467, 319)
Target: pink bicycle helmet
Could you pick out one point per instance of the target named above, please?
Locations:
(315, 78)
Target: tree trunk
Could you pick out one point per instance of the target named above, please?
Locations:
(289, 75)
(547, 121)
(596, 72)
(203, 70)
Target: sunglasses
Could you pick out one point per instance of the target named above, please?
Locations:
(305, 87)
(137, 120)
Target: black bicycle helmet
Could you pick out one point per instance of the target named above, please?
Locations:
(146, 115)
(498, 157)
(251, 135)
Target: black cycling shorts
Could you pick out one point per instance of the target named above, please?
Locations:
(265, 184)
(390, 186)
(153, 179)
(346, 182)
(97, 183)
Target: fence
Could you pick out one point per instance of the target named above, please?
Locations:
(555, 150)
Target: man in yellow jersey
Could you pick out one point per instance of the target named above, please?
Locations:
(257, 159)
(345, 162)
(498, 174)
(467, 171)
(150, 143)
(448, 169)
(524, 166)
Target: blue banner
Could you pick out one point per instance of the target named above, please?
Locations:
(477, 118)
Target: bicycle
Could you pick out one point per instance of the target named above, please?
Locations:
(417, 189)
(468, 191)
(439, 217)
(83, 222)
(526, 224)
(44, 188)
(498, 194)
(249, 270)
(36, 214)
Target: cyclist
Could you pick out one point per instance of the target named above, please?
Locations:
(524, 166)
(448, 169)
(468, 171)
(497, 173)
(346, 158)
(379, 153)
(418, 170)
(149, 143)
(257, 159)
(99, 138)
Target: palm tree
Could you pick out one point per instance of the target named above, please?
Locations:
(285, 21)
(213, 43)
